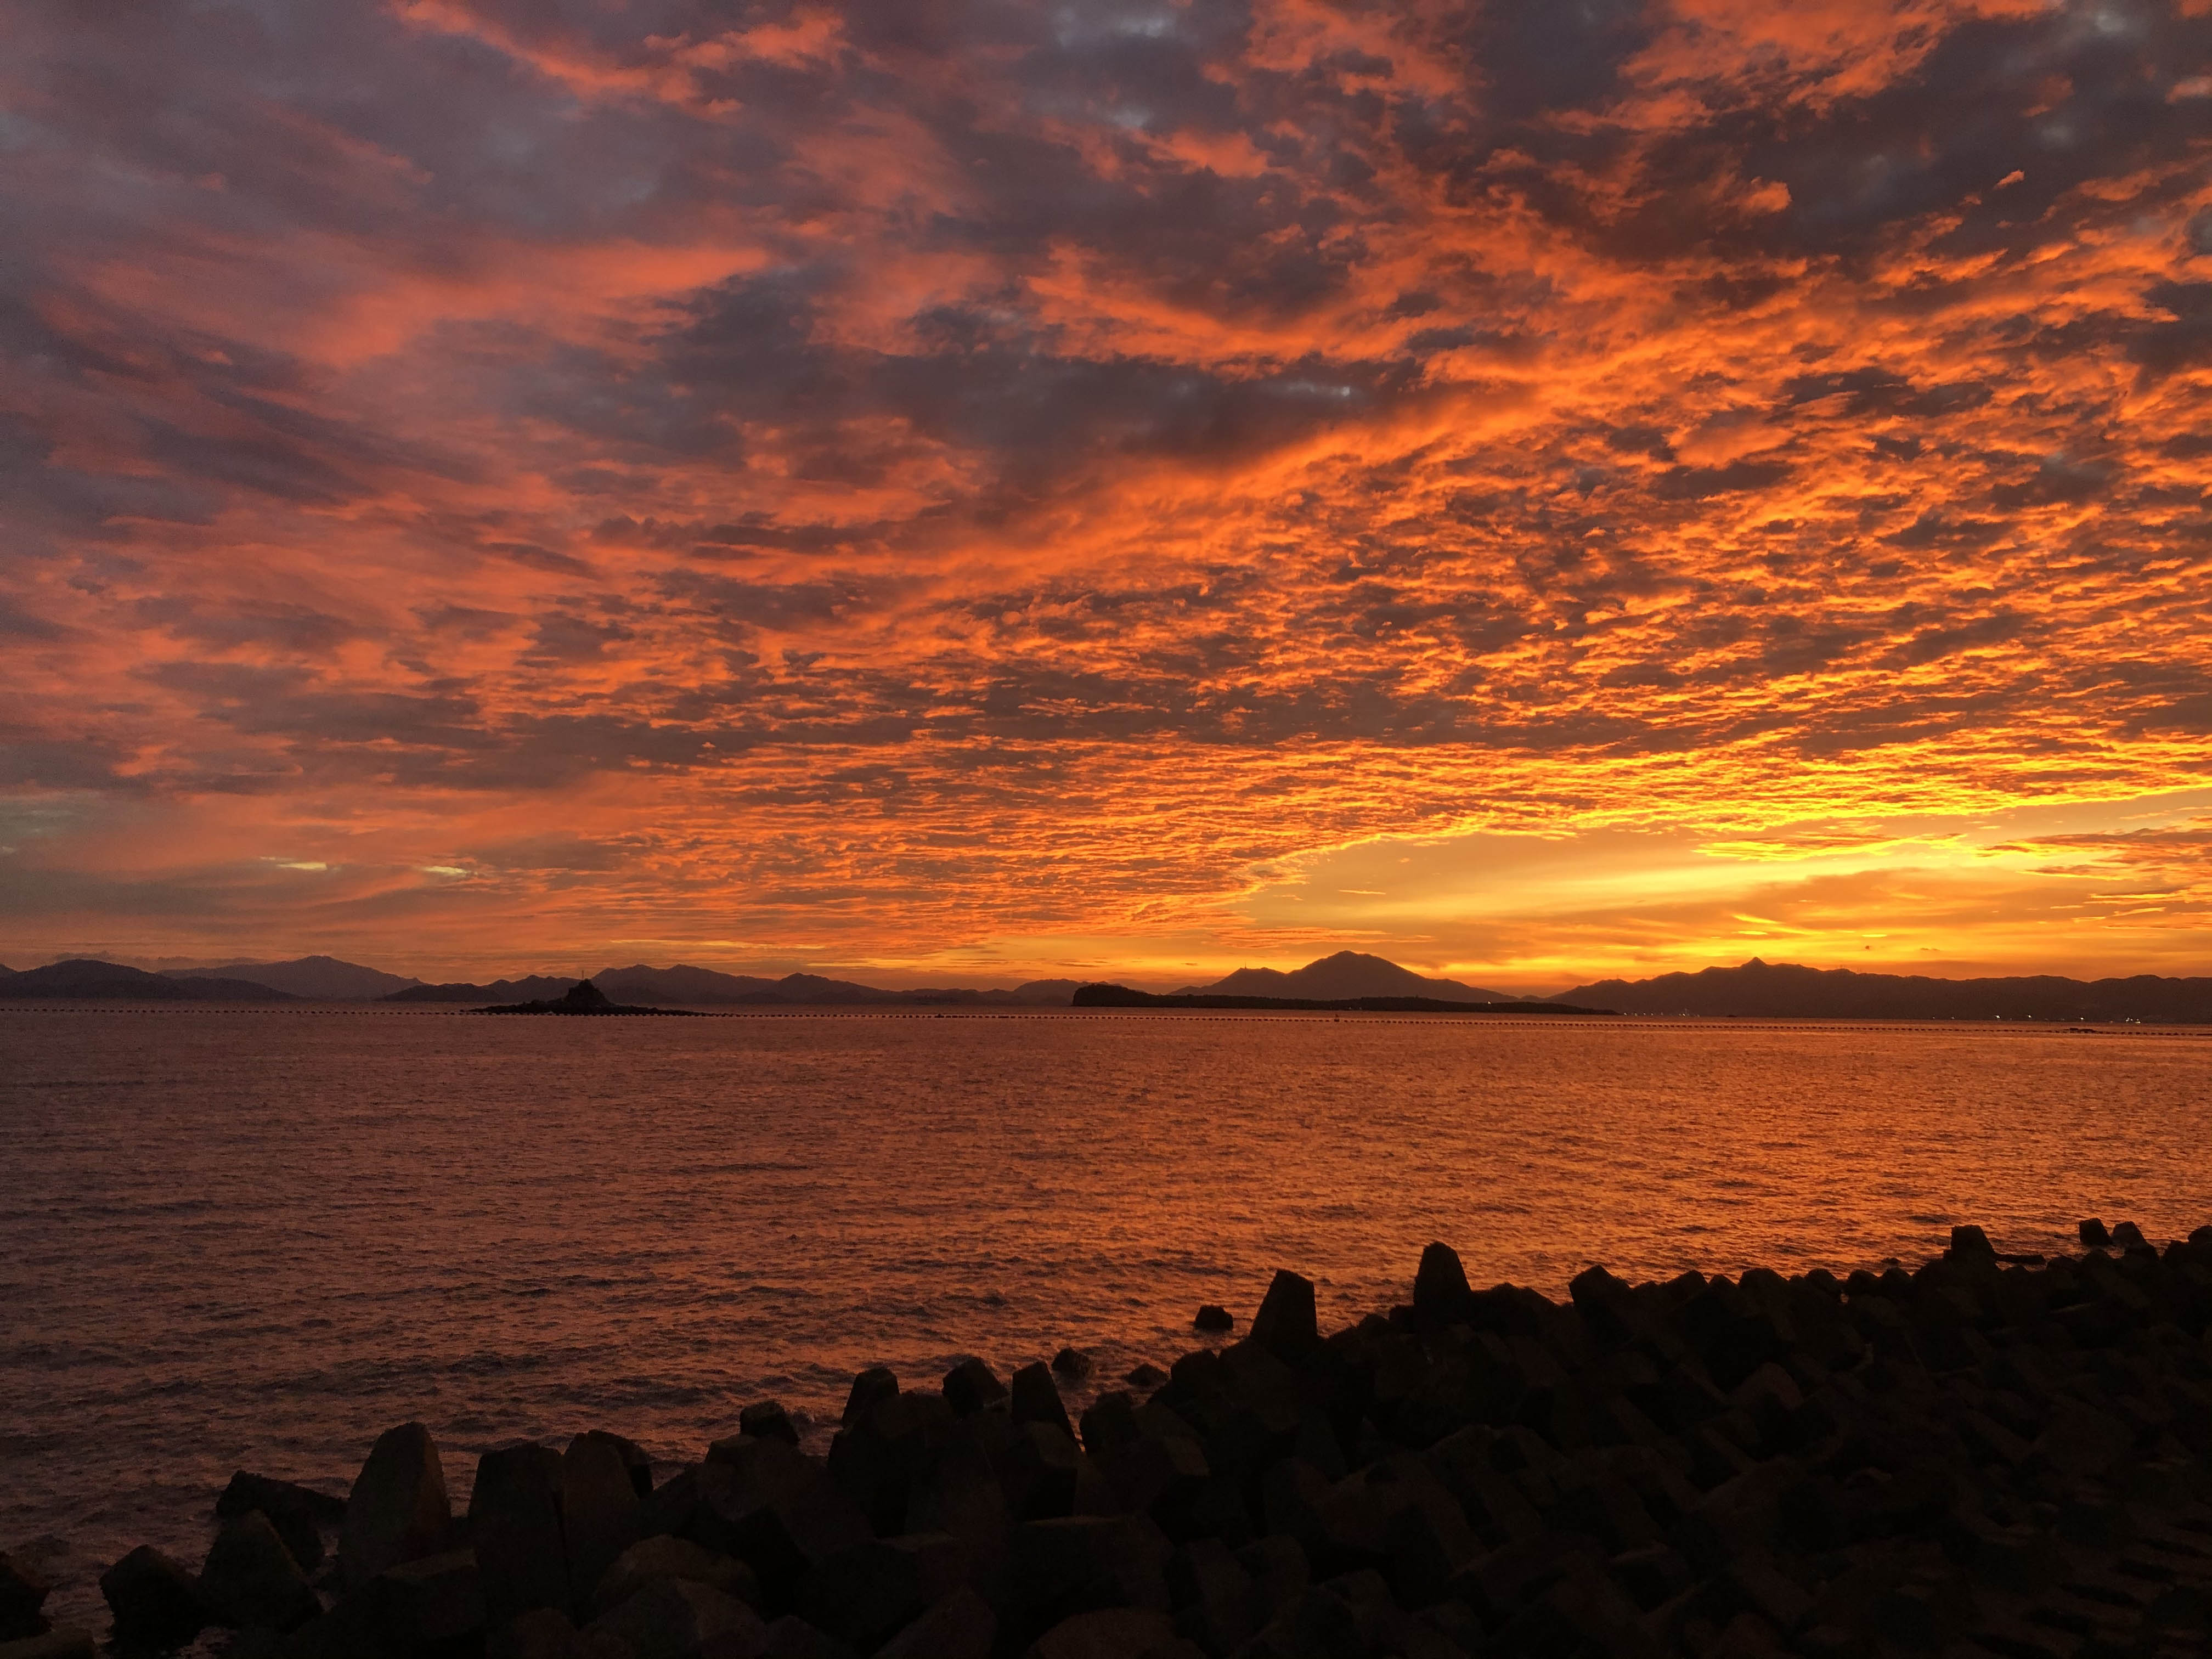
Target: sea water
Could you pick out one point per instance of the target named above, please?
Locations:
(253, 1239)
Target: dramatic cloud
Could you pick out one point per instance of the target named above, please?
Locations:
(1011, 485)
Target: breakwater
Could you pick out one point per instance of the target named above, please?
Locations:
(1990, 1454)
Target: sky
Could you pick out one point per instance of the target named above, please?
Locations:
(967, 492)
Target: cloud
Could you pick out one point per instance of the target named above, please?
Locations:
(915, 476)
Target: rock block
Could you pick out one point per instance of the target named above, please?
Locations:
(656, 1557)
(1970, 1240)
(251, 1579)
(792, 1637)
(769, 1418)
(598, 1509)
(961, 1626)
(971, 1386)
(424, 1605)
(1105, 1633)
(1036, 1399)
(1216, 1602)
(1441, 1295)
(1072, 1363)
(865, 1595)
(60, 1643)
(1287, 1324)
(1057, 1568)
(777, 1511)
(23, 1592)
(674, 1618)
(635, 1461)
(155, 1600)
(880, 1453)
(1213, 1317)
(299, 1513)
(875, 1384)
(515, 1528)
(397, 1510)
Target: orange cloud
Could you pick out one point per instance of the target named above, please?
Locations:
(911, 487)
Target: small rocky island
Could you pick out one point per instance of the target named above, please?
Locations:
(583, 997)
(1993, 1457)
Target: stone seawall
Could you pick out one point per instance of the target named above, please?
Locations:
(1989, 1456)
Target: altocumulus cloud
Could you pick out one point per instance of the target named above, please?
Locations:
(909, 474)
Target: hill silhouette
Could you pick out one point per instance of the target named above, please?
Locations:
(85, 979)
(500, 990)
(1765, 990)
(705, 986)
(1346, 974)
(325, 978)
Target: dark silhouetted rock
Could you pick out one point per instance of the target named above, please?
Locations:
(1109, 1424)
(156, 1601)
(676, 1619)
(2094, 1235)
(1058, 1568)
(23, 1592)
(299, 1513)
(61, 1642)
(540, 1633)
(251, 1579)
(1441, 1295)
(598, 1509)
(1287, 1324)
(397, 1510)
(971, 1386)
(767, 1418)
(1072, 1363)
(792, 1637)
(1036, 1399)
(877, 1458)
(1145, 1376)
(1212, 1316)
(961, 1490)
(650, 1559)
(515, 1528)
(2127, 1235)
(423, 1606)
(1047, 1474)
(1105, 1633)
(1968, 1240)
(876, 1383)
(866, 1594)
(667, 1510)
(777, 1511)
(635, 1461)
(961, 1626)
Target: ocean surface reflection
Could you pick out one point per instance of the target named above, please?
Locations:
(252, 1240)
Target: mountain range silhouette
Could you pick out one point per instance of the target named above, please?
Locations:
(1753, 989)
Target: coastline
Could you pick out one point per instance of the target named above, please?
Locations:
(2002, 1450)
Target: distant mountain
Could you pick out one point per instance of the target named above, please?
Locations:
(705, 988)
(1121, 996)
(1762, 990)
(325, 978)
(535, 987)
(82, 979)
(695, 986)
(1346, 974)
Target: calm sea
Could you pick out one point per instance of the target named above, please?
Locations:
(255, 1239)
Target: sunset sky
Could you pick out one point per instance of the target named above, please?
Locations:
(946, 492)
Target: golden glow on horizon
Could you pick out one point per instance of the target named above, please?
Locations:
(1052, 496)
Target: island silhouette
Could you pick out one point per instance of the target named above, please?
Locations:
(586, 999)
(1751, 990)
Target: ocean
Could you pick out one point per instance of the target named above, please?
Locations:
(253, 1239)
